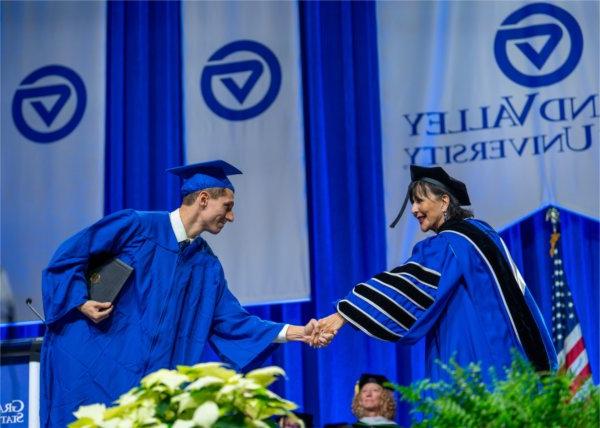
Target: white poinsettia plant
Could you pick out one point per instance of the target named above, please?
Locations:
(204, 395)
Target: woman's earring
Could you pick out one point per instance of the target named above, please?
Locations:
(445, 215)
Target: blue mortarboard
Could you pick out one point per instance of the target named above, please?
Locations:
(204, 175)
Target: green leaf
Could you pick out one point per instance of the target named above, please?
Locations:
(265, 376)
(83, 422)
(206, 414)
(203, 382)
(230, 421)
(93, 412)
(207, 369)
(522, 398)
(169, 378)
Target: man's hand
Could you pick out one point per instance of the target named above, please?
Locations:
(329, 326)
(315, 337)
(96, 311)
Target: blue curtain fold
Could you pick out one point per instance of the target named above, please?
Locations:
(143, 105)
(347, 222)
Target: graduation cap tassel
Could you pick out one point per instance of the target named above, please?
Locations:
(439, 178)
(399, 216)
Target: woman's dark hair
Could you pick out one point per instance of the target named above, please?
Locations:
(423, 189)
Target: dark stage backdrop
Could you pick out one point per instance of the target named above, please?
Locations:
(344, 173)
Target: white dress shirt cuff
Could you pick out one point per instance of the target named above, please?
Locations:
(281, 337)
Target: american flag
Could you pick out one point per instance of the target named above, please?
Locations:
(566, 330)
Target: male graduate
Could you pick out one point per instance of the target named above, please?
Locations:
(175, 301)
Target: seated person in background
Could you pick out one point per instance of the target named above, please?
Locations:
(296, 420)
(373, 403)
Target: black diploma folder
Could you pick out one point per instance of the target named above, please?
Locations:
(106, 280)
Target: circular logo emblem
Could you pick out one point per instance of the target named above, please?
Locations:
(234, 85)
(44, 109)
(525, 61)
(95, 278)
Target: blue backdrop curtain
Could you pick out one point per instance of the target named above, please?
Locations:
(344, 173)
(347, 230)
(143, 102)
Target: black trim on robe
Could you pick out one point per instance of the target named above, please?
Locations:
(395, 311)
(364, 321)
(425, 276)
(527, 328)
(407, 288)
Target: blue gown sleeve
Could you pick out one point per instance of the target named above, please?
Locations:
(64, 285)
(404, 303)
(239, 338)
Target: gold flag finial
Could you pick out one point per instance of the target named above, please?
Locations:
(553, 216)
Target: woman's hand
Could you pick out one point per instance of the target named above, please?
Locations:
(327, 329)
(309, 334)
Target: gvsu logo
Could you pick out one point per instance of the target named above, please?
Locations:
(49, 104)
(12, 412)
(538, 54)
(234, 83)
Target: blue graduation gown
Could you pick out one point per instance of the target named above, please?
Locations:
(173, 304)
(461, 290)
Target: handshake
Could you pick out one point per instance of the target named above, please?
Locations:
(317, 334)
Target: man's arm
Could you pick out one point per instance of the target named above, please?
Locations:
(64, 285)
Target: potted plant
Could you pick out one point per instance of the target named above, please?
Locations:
(204, 395)
(523, 398)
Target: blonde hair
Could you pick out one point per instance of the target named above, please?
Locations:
(387, 408)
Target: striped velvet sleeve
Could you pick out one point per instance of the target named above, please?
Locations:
(404, 302)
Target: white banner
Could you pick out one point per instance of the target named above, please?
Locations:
(243, 104)
(53, 92)
(503, 95)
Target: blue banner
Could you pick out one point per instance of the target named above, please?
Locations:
(243, 104)
(14, 392)
(53, 86)
(503, 95)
